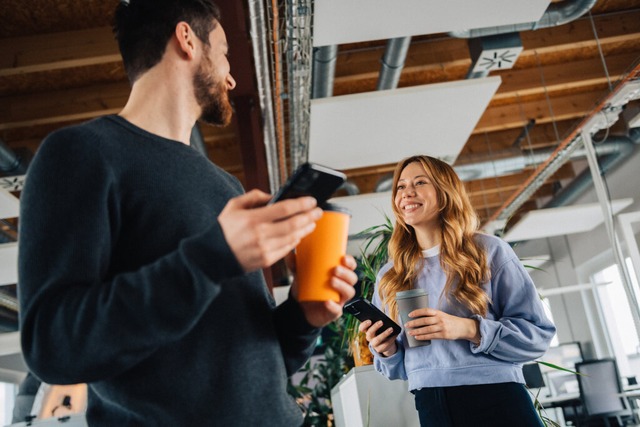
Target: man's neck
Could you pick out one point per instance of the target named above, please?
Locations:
(162, 104)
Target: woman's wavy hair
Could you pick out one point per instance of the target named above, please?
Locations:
(461, 257)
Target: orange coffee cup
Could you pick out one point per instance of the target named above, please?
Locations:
(320, 252)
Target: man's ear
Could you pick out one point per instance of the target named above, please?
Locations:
(186, 39)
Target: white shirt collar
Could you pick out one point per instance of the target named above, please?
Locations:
(431, 252)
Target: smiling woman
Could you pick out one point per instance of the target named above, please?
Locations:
(483, 316)
(416, 198)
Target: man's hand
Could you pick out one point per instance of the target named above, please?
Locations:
(321, 313)
(260, 235)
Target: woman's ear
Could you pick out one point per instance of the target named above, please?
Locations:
(186, 39)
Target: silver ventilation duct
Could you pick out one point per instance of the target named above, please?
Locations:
(351, 188)
(395, 55)
(556, 14)
(584, 180)
(324, 71)
(496, 52)
(10, 162)
(484, 166)
(8, 312)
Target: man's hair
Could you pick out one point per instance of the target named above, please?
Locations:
(144, 27)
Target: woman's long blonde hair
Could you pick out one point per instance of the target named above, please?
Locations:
(461, 257)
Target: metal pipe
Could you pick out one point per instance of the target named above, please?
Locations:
(324, 71)
(584, 181)
(10, 162)
(9, 302)
(257, 25)
(351, 188)
(395, 55)
(485, 166)
(605, 204)
(556, 14)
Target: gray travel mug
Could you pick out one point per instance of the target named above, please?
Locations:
(407, 302)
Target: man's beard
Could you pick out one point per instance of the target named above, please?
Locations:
(212, 96)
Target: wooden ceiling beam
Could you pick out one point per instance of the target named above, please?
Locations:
(57, 51)
(86, 103)
(558, 108)
(434, 52)
(511, 182)
(62, 106)
(541, 135)
(564, 76)
(613, 28)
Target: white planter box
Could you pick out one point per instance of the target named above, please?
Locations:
(364, 398)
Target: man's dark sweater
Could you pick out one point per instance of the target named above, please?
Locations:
(127, 284)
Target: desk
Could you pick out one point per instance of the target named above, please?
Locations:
(560, 401)
(563, 406)
(573, 399)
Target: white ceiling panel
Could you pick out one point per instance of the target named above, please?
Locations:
(8, 263)
(560, 221)
(349, 21)
(367, 210)
(9, 204)
(382, 127)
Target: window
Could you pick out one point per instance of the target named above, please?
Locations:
(547, 311)
(615, 306)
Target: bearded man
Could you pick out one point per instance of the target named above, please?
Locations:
(140, 260)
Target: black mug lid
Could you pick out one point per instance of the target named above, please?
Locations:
(334, 208)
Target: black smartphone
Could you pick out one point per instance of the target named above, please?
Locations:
(311, 179)
(364, 310)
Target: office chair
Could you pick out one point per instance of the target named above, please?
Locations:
(600, 393)
(533, 375)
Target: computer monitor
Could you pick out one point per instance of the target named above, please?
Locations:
(533, 375)
(563, 383)
(564, 355)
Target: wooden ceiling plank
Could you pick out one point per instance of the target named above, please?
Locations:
(565, 107)
(58, 51)
(541, 135)
(62, 106)
(582, 73)
(432, 54)
(614, 28)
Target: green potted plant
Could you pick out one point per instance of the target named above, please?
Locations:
(313, 392)
(374, 255)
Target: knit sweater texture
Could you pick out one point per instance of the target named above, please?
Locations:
(128, 284)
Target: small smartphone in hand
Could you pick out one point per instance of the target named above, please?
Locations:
(311, 179)
(364, 310)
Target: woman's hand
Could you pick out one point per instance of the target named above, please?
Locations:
(435, 324)
(385, 343)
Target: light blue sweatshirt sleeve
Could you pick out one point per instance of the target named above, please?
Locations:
(516, 328)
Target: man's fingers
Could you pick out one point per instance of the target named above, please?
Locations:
(349, 262)
(289, 208)
(252, 199)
